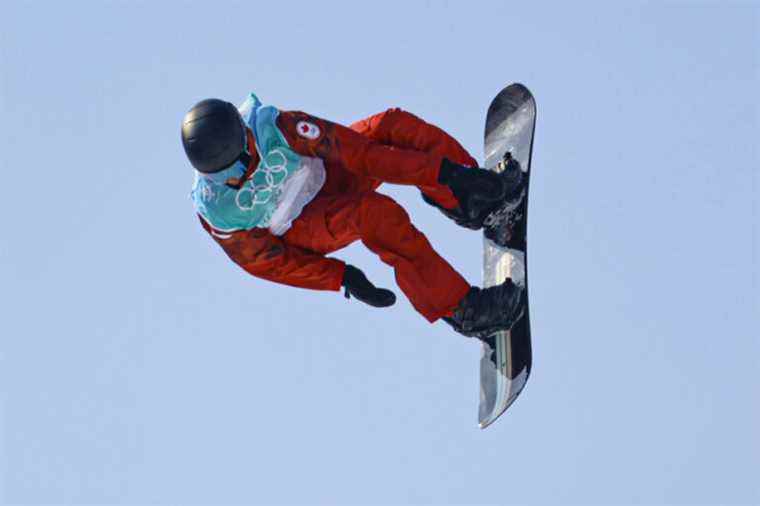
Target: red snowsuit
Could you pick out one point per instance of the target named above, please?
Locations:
(395, 147)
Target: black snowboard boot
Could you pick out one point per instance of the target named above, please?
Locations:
(478, 191)
(484, 311)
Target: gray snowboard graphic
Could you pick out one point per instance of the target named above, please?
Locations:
(506, 356)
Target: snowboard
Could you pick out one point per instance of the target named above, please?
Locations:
(506, 356)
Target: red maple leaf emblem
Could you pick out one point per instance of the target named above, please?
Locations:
(304, 128)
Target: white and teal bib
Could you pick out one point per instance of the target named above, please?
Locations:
(283, 183)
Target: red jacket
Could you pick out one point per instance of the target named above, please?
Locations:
(394, 146)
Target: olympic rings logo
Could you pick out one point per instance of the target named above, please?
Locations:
(274, 168)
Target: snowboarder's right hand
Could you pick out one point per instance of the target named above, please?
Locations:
(357, 284)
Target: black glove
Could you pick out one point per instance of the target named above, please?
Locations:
(357, 284)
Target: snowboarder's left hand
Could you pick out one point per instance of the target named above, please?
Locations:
(357, 284)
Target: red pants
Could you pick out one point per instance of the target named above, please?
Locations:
(348, 209)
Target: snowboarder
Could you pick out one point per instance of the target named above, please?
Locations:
(279, 190)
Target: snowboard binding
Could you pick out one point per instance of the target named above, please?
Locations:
(501, 224)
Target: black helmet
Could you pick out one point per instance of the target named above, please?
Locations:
(213, 135)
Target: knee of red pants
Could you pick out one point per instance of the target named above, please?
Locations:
(430, 283)
(377, 211)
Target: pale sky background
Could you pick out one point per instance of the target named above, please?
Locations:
(139, 365)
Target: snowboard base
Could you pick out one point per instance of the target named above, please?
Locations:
(506, 357)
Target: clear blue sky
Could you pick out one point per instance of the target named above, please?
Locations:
(138, 365)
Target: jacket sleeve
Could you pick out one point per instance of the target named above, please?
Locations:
(337, 144)
(267, 256)
(402, 129)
